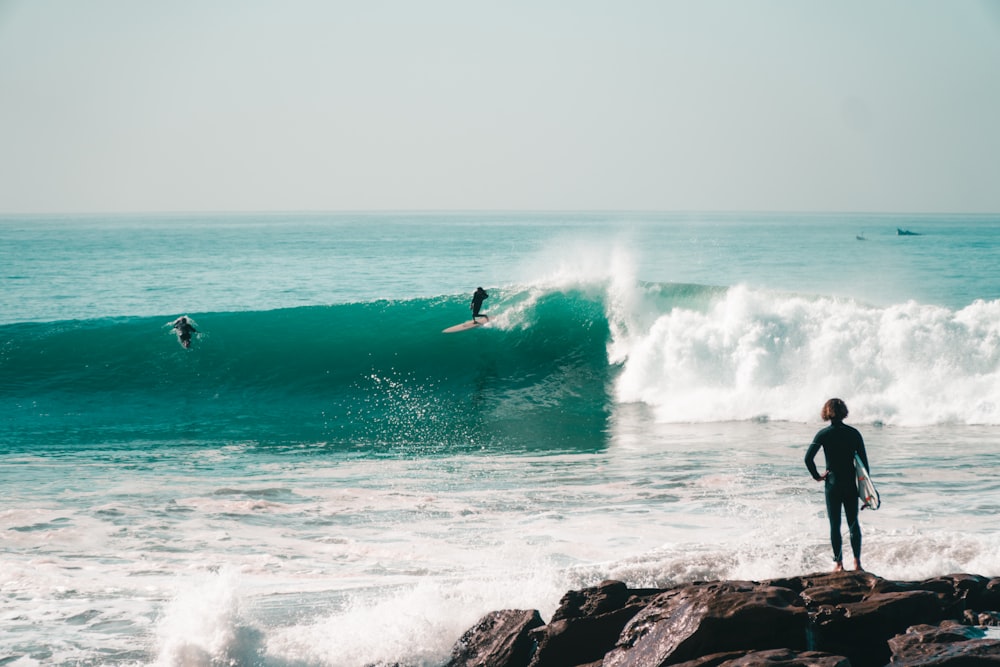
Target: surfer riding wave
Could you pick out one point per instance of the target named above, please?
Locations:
(478, 297)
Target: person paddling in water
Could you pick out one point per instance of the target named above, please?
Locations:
(184, 327)
(840, 443)
(478, 297)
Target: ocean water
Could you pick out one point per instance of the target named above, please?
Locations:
(325, 478)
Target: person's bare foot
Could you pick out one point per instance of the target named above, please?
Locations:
(838, 567)
(857, 565)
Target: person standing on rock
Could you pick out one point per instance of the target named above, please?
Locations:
(840, 443)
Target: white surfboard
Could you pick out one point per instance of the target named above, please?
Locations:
(866, 487)
(465, 326)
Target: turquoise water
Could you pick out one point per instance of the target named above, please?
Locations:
(325, 478)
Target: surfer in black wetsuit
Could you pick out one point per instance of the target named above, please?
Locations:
(184, 329)
(478, 297)
(840, 443)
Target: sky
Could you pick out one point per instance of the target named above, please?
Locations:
(331, 105)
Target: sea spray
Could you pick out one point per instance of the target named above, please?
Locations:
(751, 353)
(415, 625)
(203, 625)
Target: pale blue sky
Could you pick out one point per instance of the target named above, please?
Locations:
(195, 105)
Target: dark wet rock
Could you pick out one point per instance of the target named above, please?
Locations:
(843, 619)
(699, 619)
(984, 618)
(988, 598)
(949, 643)
(587, 625)
(773, 658)
(499, 639)
(860, 630)
(830, 587)
(607, 596)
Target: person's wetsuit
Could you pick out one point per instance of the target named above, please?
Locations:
(184, 330)
(840, 442)
(477, 301)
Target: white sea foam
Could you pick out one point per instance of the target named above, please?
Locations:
(743, 353)
(752, 354)
(416, 626)
(202, 625)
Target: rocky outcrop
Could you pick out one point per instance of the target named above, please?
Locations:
(586, 624)
(949, 643)
(700, 619)
(845, 619)
(500, 638)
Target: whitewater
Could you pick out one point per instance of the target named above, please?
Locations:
(325, 478)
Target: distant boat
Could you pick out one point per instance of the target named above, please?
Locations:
(860, 237)
(905, 232)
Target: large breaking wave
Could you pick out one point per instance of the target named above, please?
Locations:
(547, 372)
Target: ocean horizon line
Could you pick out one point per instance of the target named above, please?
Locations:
(493, 211)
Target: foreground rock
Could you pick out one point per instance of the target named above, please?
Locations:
(845, 619)
(500, 638)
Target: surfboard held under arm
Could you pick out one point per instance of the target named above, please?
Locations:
(866, 487)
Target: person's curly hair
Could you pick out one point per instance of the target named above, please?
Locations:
(834, 410)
